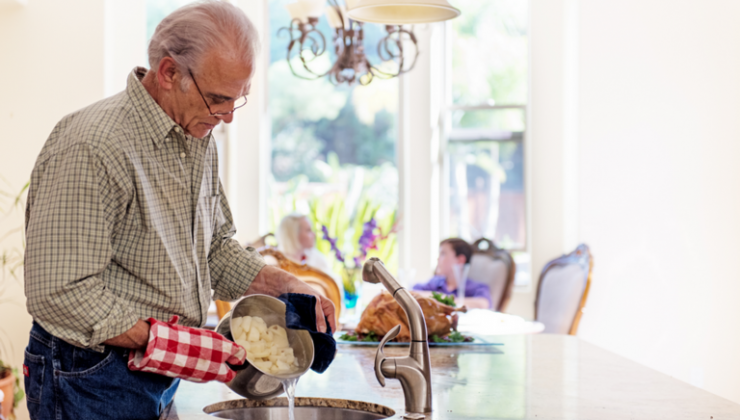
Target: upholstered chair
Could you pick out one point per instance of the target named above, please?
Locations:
(494, 267)
(562, 291)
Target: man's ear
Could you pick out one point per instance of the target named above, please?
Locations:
(167, 74)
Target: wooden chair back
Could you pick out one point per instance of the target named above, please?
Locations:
(496, 268)
(320, 281)
(562, 291)
(222, 308)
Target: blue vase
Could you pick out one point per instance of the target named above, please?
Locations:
(350, 299)
(352, 281)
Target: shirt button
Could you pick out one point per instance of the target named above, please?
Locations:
(183, 155)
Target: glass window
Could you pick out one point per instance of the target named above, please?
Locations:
(494, 119)
(333, 147)
(487, 192)
(490, 53)
(487, 125)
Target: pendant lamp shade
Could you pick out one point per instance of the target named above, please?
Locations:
(401, 12)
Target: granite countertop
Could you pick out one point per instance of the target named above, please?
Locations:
(533, 377)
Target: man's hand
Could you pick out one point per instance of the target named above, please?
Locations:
(324, 307)
(273, 281)
(200, 355)
(135, 338)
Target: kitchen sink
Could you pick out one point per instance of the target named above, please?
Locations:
(305, 409)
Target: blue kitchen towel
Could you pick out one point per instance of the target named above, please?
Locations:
(300, 314)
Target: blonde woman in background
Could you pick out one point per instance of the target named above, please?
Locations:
(297, 241)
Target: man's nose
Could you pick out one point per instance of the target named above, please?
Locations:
(226, 118)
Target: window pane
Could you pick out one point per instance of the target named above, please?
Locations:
(498, 119)
(333, 147)
(489, 52)
(487, 192)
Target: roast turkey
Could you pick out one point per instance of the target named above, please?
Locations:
(383, 313)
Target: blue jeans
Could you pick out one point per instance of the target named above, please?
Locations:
(67, 382)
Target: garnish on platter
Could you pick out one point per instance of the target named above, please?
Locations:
(453, 337)
(448, 300)
(366, 338)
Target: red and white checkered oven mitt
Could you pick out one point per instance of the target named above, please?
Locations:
(192, 354)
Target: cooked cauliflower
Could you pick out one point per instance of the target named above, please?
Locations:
(267, 347)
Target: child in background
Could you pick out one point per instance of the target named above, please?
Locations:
(454, 251)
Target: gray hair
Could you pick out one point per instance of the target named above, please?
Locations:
(288, 232)
(190, 32)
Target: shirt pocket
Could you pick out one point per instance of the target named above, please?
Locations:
(206, 221)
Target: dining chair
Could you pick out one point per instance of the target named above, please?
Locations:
(222, 308)
(562, 291)
(317, 279)
(496, 268)
(320, 281)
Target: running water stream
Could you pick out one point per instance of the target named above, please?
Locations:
(289, 387)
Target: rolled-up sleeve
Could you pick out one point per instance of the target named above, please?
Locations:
(232, 267)
(77, 200)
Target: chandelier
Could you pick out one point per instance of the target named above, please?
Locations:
(398, 49)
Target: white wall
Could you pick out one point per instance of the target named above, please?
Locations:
(50, 67)
(657, 145)
(125, 42)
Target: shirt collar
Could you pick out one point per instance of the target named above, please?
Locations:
(157, 121)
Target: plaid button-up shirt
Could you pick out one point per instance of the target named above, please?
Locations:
(127, 219)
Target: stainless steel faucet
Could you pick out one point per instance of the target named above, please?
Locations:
(414, 371)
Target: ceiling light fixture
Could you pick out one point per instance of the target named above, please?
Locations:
(397, 49)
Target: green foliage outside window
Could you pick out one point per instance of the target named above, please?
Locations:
(490, 54)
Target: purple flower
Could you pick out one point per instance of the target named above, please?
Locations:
(331, 240)
(333, 243)
(368, 237)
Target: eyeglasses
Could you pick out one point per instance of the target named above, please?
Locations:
(238, 103)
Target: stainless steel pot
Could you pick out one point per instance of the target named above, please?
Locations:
(250, 381)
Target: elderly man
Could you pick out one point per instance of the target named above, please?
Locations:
(127, 221)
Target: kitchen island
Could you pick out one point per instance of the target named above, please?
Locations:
(532, 377)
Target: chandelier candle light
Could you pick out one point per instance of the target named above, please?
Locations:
(398, 49)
